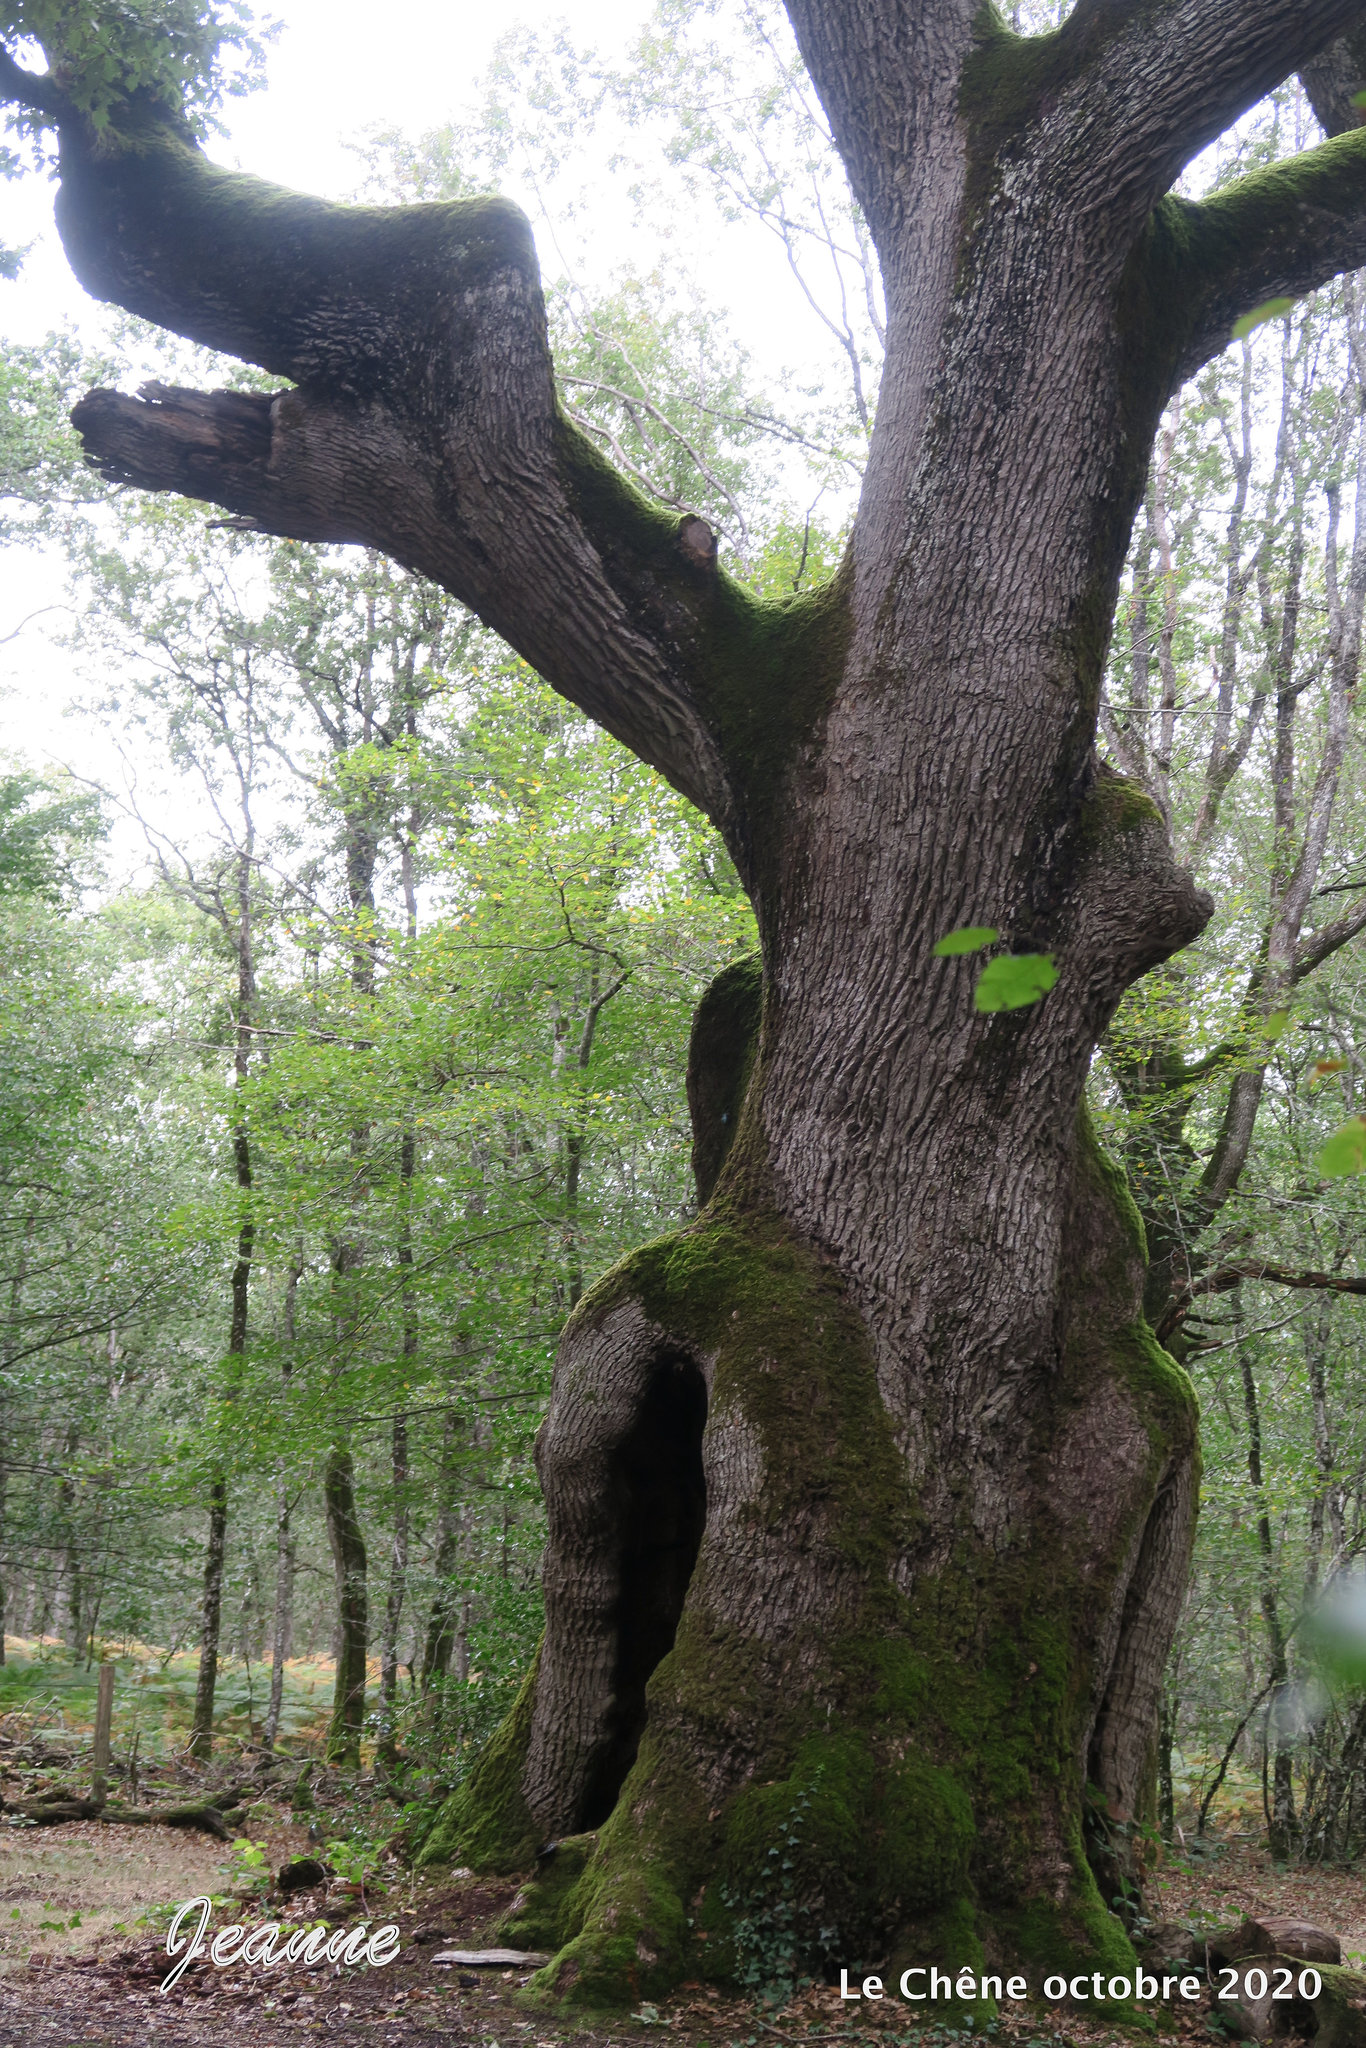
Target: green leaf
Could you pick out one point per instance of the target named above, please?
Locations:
(1014, 980)
(1359, 101)
(1345, 1151)
(1274, 1025)
(970, 939)
(1258, 317)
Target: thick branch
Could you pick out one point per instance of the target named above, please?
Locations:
(1278, 233)
(30, 89)
(1223, 1278)
(1313, 951)
(888, 77)
(1182, 71)
(1333, 78)
(423, 422)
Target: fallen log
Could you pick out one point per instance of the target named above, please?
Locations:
(492, 1958)
(195, 1813)
(48, 1812)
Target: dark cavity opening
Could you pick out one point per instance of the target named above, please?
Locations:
(660, 1503)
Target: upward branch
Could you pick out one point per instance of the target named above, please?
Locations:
(1169, 77)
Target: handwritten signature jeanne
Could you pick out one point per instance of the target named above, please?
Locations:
(262, 1945)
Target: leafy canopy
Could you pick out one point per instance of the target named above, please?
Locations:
(173, 54)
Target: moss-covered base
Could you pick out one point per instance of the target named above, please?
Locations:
(485, 1823)
(900, 1774)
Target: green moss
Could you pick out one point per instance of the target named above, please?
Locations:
(541, 1916)
(486, 1822)
(626, 1931)
(1077, 1940)
(763, 670)
(851, 1841)
(288, 259)
(1005, 81)
(1340, 2009)
(1117, 805)
(771, 668)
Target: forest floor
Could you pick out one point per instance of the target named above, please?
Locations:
(84, 1908)
(88, 1975)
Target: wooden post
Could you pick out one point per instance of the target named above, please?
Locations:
(104, 1715)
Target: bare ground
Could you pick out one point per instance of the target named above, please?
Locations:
(95, 1985)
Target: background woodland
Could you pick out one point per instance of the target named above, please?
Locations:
(315, 1124)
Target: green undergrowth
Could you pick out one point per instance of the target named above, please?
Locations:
(44, 1690)
(485, 1822)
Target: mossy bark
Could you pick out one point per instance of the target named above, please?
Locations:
(869, 1494)
(930, 1728)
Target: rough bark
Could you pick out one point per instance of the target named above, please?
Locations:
(869, 1493)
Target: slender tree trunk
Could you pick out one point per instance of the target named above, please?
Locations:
(16, 1290)
(398, 1584)
(575, 1124)
(72, 1577)
(1282, 1829)
(339, 1482)
(441, 1623)
(215, 1548)
(210, 1619)
(1166, 1791)
(283, 1614)
(1326, 1509)
(398, 1553)
(353, 1628)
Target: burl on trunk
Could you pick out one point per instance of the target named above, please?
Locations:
(870, 1493)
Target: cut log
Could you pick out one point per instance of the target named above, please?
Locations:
(1273, 1935)
(1280, 1996)
(492, 1958)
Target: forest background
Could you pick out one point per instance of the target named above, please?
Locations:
(348, 971)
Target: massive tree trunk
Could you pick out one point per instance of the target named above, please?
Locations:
(870, 1493)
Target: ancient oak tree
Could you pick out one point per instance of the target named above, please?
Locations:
(869, 1492)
